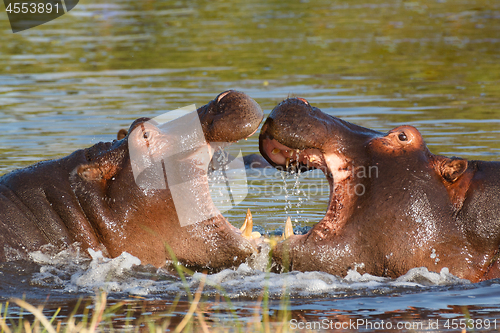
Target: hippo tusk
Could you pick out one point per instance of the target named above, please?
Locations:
(287, 162)
(288, 228)
(276, 151)
(247, 227)
(248, 217)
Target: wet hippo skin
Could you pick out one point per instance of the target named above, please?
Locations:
(393, 204)
(91, 197)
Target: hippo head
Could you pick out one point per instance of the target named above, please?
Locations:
(133, 192)
(393, 205)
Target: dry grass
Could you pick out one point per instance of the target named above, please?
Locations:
(99, 316)
(100, 319)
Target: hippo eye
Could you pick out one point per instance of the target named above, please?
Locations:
(146, 135)
(402, 137)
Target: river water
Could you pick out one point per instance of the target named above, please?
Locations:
(77, 80)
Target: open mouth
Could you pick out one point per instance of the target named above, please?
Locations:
(180, 156)
(292, 159)
(290, 145)
(335, 167)
(221, 161)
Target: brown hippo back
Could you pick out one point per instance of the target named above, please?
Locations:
(91, 197)
(38, 206)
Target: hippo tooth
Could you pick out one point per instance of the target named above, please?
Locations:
(248, 217)
(243, 227)
(287, 162)
(248, 226)
(276, 151)
(288, 228)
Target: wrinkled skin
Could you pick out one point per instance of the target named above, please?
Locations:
(91, 197)
(393, 204)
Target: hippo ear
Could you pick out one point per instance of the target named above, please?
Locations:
(89, 172)
(96, 171)
(451, 168)
(456, 175)
(121, 134)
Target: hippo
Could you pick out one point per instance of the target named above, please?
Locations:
(92, 197)
(251, 161)
(393, 205)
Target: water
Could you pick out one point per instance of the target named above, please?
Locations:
(77, 80)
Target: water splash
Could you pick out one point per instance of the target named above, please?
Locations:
(123, 275)
(294, 197)
(217, 179)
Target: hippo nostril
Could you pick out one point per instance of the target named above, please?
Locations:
(221, 96)
(402, 136)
